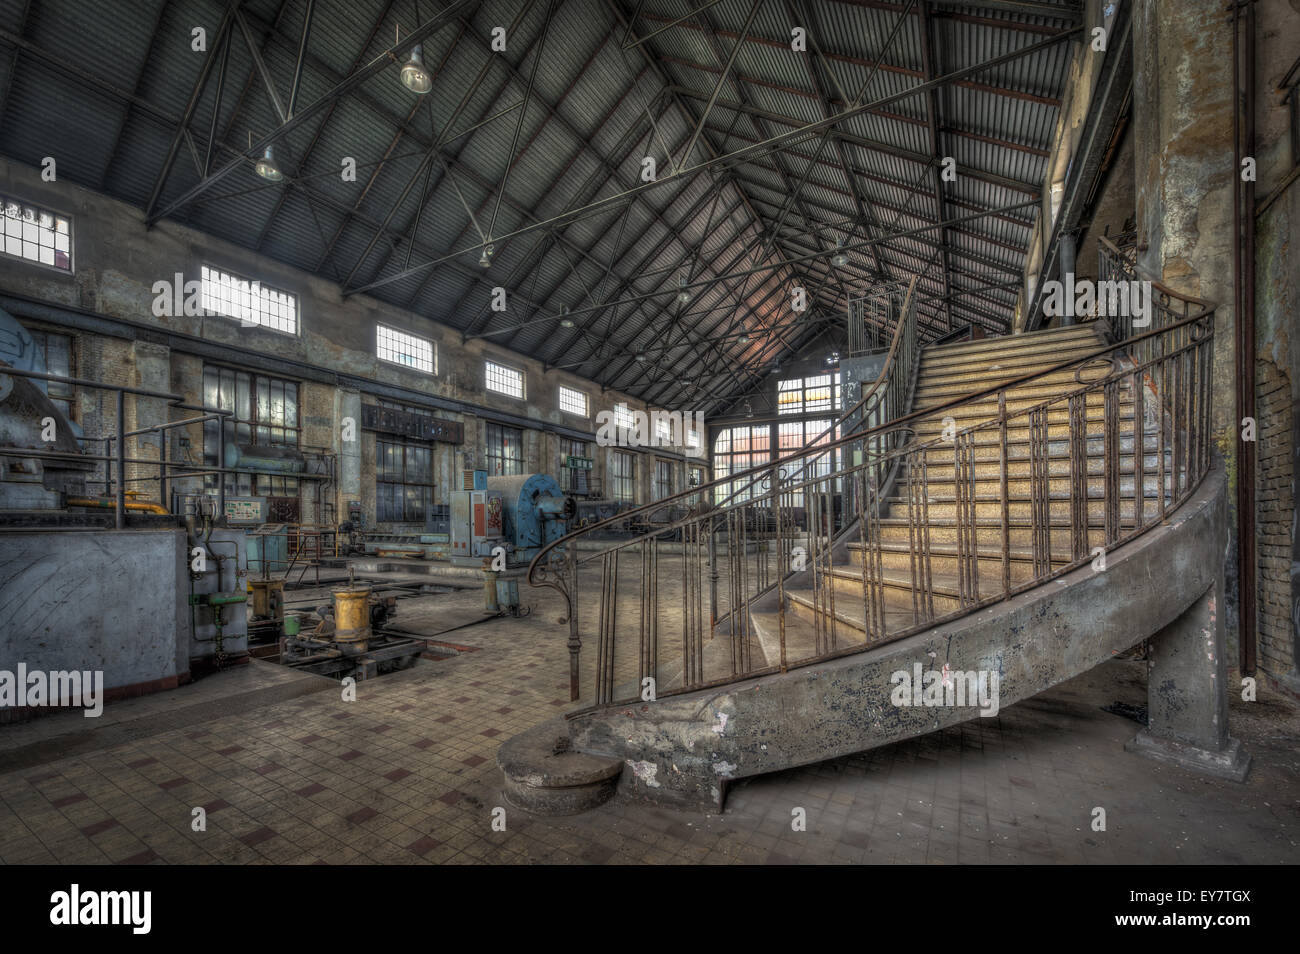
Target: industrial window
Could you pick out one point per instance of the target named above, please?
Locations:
(505, 450)
(403, 481)
(573, 401)
(792, 437)
(663, 479)
(624, 420)
(663, 432)
(623, 476)
(36, 235)
(249, 301)
(695, 478)
(406, 350)
(737, 449)
(403, 473)
(57, 350)
(810, 395)
(266, 415)
(576, 468)
(505, 380)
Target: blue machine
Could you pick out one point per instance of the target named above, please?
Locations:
(537, 512)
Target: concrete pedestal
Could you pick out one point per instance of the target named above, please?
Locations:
(1187, 695)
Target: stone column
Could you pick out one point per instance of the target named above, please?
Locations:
(1185, 188)
(1187, 695)
(348, 405)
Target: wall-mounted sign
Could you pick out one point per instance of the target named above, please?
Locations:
(389, 420)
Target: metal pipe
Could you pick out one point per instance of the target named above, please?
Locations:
(1244, 214)
(103, 504)
(221, 480)
(121, 461)
(519, 125)
(302, 56)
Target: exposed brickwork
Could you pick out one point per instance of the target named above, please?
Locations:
(1275, 519)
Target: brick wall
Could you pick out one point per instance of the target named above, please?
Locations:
(1275, 519)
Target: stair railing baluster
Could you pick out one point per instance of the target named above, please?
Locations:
(1168, 380)
(1004, 493)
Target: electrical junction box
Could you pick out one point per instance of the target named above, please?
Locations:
(477, 522)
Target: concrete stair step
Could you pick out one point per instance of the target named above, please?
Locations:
(951, 386)
(985, 410)
(1023, 396)
(1029, 340)
(988, 531)
(986, 447)
(850, 616)
(544, 777)
(1018, 345)
(801, 635)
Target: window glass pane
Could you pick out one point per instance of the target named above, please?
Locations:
(405, 349)
(36, 235)
(248, 301)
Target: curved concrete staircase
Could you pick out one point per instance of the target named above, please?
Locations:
(1031, 506)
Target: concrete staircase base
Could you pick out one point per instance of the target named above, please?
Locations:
(1231, 762)
(545, 777)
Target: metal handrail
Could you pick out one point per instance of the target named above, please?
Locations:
(1162, 375)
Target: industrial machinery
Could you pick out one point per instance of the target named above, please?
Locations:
(537, 512)
(30, 420)
(266, 614)
(477, 523)
(347, 637)
(595, 511)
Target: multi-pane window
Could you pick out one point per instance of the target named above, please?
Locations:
(573, 401)
(403, 481)
(57, 350)
(248, 301)
(266, 415)
(622, 476)
(505, 450)
(624, 419)
(575, 479)
(815, 394)
(504, 380)
(35, 234)
(403, 473)
(663, 479)
(736, 449)
(405, 349)
(793, 436)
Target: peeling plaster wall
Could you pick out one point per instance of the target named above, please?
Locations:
(1186, 177)
(1185, 186)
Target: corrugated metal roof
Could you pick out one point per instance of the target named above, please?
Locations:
(115, 80)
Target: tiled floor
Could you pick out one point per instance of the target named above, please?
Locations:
(406, 774)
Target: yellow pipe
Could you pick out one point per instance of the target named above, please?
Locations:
(112, 504)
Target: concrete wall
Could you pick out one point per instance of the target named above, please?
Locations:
(1186, 180)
